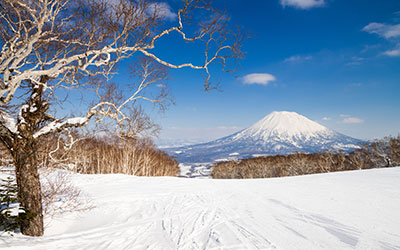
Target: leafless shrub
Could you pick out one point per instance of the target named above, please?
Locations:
(59, 195)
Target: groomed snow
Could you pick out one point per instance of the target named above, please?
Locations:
(348, 210)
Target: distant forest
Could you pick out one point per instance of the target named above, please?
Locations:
(142, 158)
(377, 154)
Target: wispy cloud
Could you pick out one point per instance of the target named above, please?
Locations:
(161, 85)
(356, 84)
(368, 48)
(386, 31)
(356, 60)
(258, 78)
(350, 119)
(326, 118)
(297, 58)
(163, 10)
(234, 128)
(392, 53)
(303, 4)
(389, 32)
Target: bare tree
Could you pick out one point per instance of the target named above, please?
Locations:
(394, 147)
(385, 152)
(54, 46)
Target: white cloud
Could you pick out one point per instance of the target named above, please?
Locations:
(392, 53)
(352, 120)
(326, 118)
(384, 30)
(161, 85)
(297, 58)
(390, 32)
(163, 10)
(303, 4)
(258, 78)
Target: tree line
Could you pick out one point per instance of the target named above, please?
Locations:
(103, 155)
(376, 154)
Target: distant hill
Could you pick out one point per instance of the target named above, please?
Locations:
(277, 133)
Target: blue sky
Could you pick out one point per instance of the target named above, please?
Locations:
(336, 62)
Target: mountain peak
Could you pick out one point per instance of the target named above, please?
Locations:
(280, 132)
(284, 123)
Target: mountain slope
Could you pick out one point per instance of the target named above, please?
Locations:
(277, 133)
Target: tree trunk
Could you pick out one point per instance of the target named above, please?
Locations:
(28, 183)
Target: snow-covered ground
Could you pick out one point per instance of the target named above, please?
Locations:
(349, 210)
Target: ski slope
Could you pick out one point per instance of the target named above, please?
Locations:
(348, 210)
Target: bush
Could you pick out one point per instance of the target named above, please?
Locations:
(59, 195)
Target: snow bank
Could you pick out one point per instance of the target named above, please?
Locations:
(348, 210)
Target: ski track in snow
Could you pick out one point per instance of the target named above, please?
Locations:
(350, 210)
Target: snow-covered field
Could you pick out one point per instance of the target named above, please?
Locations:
(349, 210)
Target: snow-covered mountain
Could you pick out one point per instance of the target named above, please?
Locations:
(277, 133)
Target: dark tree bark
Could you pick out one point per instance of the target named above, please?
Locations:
(24, 152)
(28, 183)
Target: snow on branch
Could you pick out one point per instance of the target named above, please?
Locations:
(8, 122)
(56, 126)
